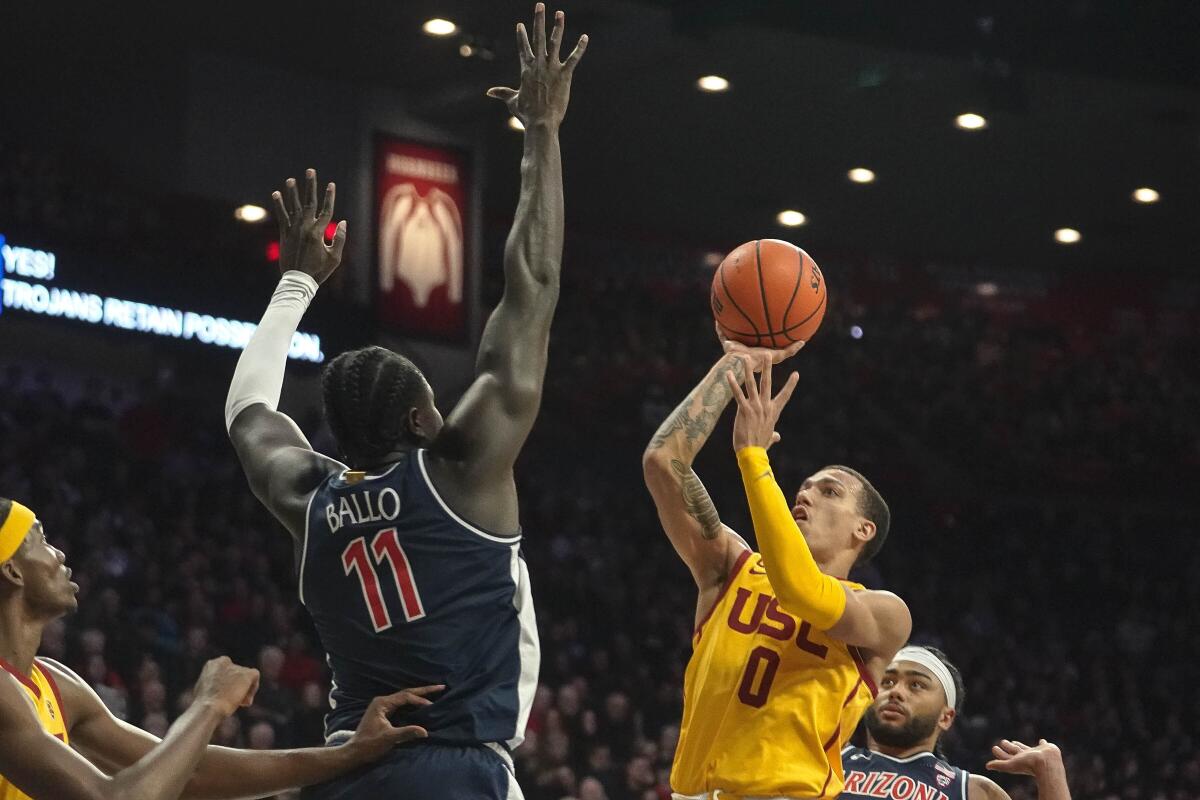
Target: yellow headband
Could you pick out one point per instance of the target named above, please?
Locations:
(14, 529)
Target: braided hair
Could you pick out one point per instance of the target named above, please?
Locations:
(368, 396)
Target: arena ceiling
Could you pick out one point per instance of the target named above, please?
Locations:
(1085, 101)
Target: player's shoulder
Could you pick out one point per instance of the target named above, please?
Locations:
(981, 787)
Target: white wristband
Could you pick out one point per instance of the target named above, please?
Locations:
(259, 374)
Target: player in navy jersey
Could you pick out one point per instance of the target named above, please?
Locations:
(409, 545)
(919, 698)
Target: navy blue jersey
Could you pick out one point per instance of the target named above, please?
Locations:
(920, 777)
(405, 593)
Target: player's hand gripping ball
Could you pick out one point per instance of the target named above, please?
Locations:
(768, 293)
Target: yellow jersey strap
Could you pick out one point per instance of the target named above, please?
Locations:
(33, 685)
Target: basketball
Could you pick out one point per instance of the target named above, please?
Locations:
(768, 293)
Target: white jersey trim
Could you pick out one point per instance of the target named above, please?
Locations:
(529, 649)
(903, 760)
(304, 544)
(491, 537)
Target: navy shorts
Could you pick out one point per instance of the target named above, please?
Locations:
(427, 771)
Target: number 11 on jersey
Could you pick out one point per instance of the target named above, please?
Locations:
(385, 547)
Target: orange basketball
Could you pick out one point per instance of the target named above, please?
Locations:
(768, 293)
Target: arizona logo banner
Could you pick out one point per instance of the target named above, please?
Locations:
(421, 202)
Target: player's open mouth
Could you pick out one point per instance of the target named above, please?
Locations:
(800, 514)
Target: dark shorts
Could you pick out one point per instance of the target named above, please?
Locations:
(427, 771)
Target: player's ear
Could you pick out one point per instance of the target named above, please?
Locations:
(10, 573)
(865, 531)
(946, 720)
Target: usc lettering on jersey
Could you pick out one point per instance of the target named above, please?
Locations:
(768, 702)
(46, 701)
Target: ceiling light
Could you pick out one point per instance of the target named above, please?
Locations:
(439, 27)
(856, 332)
(250, 213)
(466, 50)
(712, 83)
(861, 175)
(1067, 236)
(970, 122)
(713, 258)
(1145, 195)
(516, 124)
(791, 218)
(987, 289)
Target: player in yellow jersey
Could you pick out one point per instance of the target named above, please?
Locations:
(787, 653)
(44, 707)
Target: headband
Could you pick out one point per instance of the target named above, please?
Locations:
(20, 519)
(922, 656)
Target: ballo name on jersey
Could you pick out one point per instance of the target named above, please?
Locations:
(890, 785)
(381, 506)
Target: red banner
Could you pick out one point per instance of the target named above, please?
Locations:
(421, 204)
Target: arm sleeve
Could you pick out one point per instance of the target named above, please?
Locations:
(259, 374)
(799, 584)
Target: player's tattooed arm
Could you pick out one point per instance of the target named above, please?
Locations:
(688, 427)
(700, 506)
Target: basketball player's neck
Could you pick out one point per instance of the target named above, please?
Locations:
(837, 565)
(20, 636)
(901, 752)
(381, 462)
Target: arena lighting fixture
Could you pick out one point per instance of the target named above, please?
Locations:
(987, 289)
(249, 213)
(712, 83)
(1145, 195)
(1067, 236)
(970, 122)
(439, 27)
(516, 124)
(791, 218)
(861, 175)
(713, 259)
(856, 332)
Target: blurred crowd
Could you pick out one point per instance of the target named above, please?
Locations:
(1038, 472)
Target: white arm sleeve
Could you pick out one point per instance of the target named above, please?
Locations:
(259, 374)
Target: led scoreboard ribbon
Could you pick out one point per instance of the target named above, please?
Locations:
(22, 265)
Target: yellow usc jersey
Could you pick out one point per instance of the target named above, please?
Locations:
(43, 692)
(768, 702)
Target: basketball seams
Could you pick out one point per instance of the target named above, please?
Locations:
(768, 336)
(734, 303)
(762, 289)
(795, 291)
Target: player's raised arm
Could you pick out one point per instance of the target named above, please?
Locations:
(484, 434)
(688, 515)
(878, 621)
(279, 462)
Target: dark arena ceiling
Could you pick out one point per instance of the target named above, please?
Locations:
(1085, 101)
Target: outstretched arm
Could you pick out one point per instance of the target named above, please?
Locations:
(1043, 762)
(40, 765)
(225, 772)
(878, 621)
(688, 515)
(485, 432)
(279, 463)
